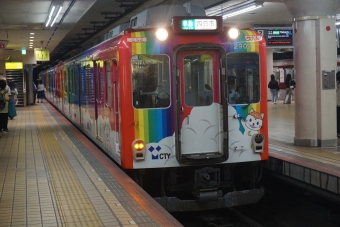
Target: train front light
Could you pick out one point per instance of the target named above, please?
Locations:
(161, 34)
(233, 33)
(138, 148)
(258, 142)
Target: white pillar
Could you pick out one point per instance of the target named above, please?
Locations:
(315, 52)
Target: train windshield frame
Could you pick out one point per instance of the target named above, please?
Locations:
(243, 76)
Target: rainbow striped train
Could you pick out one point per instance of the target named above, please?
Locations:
(179, 102)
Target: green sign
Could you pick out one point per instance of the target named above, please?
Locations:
(198, 24)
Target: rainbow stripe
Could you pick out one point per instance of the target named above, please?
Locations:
(153, 124)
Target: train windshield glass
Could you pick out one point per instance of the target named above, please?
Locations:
(150, 81)
(198, 79)
(243, 78)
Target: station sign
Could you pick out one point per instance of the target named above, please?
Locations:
(14, 65)
(41, 54)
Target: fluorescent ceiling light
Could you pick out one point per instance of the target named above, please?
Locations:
(31, 37)
(50, 16)
(60, 7)
(241, 10)
(54, 13)
(31, 33)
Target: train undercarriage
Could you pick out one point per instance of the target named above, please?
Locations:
(202, 187)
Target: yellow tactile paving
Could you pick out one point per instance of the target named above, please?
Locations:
(70, 196)
(113, 203)
(46, 181)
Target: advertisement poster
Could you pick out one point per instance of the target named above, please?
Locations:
(282, 76)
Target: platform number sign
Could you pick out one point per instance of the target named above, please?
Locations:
(260, 32)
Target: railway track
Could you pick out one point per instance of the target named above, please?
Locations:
(283, 205)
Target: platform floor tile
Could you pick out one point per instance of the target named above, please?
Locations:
(49, 178)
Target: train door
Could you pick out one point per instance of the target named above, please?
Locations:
(116, 105)
(201, 130)
(99, 98)
(111, 124)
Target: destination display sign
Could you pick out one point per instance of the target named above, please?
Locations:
(280, 37)
(198, 24)
(277, 37)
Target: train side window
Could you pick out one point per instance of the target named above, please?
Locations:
(198, 73)
(89, 85)
(108, 92)
(243, 73)
(150, 81)
(100, 81)
(74, 77)
(65, 81)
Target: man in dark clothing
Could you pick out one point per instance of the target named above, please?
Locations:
(34, 92)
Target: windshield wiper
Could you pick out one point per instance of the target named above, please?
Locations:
(245, 107)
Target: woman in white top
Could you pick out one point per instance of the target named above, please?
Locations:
(41, 91)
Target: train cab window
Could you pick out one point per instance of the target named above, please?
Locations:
(243, 78)
(150, 81)
(198, 80)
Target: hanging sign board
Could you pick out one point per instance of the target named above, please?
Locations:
(41, 54)
(281, 37)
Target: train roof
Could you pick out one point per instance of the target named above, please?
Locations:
(161, 16)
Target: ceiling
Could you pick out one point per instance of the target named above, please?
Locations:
(81, 21)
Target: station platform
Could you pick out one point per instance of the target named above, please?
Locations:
(314, 168)
(52, 175)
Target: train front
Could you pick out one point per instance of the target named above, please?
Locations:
(198, 131)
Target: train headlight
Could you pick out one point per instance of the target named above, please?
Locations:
(258, 142)
(161, 34)
(233, 33)
(138, 149)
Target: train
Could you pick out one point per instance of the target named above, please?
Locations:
(178, 101)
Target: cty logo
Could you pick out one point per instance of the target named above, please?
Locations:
(158, 156)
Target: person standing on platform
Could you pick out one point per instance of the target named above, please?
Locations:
(12, 100)
(8, 89)
(273, 85)
(4, 104)
(338, 103)
(34, 92)
(41, 91)
(289, 87)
